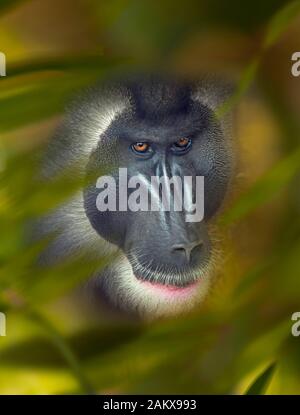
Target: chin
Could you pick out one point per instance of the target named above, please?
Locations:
(131, 294)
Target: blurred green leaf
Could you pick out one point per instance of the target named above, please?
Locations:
(261, 383)
(64, 77)
(65, 63)
(264, 189)
(280, 22)
(62, 345)
(244, 83)
(277, 25)
(8, 4)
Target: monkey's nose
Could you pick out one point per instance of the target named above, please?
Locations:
(186, 249)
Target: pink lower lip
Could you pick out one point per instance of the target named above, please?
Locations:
(171, 290)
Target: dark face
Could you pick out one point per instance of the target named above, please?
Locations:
(173, 136)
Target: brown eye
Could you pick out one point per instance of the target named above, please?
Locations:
(140, 147)
(183, 142)
(181, 146)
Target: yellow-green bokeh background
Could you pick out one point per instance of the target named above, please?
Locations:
(240, 336)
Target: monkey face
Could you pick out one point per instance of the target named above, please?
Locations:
(153, 128)
(168, 258)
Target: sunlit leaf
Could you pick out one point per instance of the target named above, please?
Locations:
(261, 383)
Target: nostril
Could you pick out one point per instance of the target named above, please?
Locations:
(186, 249)
(178, 248)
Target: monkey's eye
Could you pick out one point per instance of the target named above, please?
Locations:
(182, 145)
(140, 148)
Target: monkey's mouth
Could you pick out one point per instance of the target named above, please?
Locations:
(170, 290)
(166, 282)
